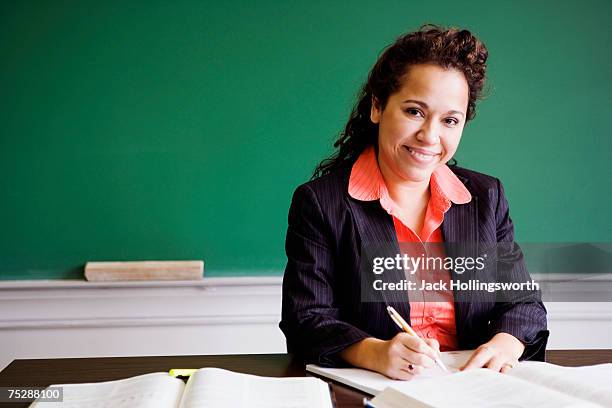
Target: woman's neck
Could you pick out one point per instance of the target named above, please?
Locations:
(405, 193)
(410, 198)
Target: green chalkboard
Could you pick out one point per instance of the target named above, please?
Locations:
(135, 130)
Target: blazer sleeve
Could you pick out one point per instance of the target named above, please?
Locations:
(523, 314)
(310, 315)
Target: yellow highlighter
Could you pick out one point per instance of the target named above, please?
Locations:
(182, 372)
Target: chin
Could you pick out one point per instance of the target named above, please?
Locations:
(418, 175)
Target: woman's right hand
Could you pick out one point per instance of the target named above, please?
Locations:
(393, 357)
(405, 356)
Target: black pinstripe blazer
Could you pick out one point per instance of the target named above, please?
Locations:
(322, 310)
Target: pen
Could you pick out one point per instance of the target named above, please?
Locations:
(401, 323)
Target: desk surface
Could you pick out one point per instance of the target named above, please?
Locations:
(45, 372)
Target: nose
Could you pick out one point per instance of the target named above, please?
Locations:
(429, 133)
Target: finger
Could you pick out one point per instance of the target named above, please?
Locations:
(433, 343)
(417, 358)
(495, 363)
(411, 367)
(408, 375)
(401, 356)
(403, 373)
(416, 369)
(479, 358)
(505, 368)
(417, 345)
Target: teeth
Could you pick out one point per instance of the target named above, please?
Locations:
(421, 155)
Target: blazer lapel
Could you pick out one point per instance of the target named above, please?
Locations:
(460, 225)
(378, 239)
(460, 231)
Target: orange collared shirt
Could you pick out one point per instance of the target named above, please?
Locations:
(433, 319)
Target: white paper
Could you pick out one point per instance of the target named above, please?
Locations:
(155, 390)
(372, 382)
(591, 383)
(483, 387)
(215, 387)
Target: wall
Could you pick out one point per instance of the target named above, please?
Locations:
(218, 316)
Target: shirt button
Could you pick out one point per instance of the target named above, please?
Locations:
(430, 335)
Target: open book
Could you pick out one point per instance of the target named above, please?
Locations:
(529, 384)
(207, 387)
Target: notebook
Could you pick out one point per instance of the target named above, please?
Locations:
(372, 383)
(530, 384)
(207, 387)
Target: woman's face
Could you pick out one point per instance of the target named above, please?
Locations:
(420, 128)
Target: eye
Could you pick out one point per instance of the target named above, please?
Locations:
(414, 112)
(451, 121)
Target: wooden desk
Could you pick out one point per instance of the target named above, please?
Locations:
(74, 370)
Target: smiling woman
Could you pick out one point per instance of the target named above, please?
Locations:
(421, 125)
(391, 181)
(419, 130)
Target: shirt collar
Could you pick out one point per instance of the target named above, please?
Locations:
(367, 184)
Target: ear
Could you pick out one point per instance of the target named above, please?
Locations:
(374, 110)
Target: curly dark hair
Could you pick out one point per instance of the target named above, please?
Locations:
(447, 47)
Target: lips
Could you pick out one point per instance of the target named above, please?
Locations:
(423, 156)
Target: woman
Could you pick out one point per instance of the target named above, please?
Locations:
(389, 182)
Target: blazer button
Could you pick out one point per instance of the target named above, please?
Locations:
(430, 319)
(430, 335)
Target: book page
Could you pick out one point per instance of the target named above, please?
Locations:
(591, 383)
(155, 390)
(483, 387)
(372, 382)
(218, 388)
(392, 398)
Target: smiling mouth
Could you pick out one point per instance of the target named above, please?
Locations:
(421, 155)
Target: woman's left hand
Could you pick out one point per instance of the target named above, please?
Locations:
(501, 353)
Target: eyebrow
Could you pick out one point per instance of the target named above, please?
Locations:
(424, 105)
